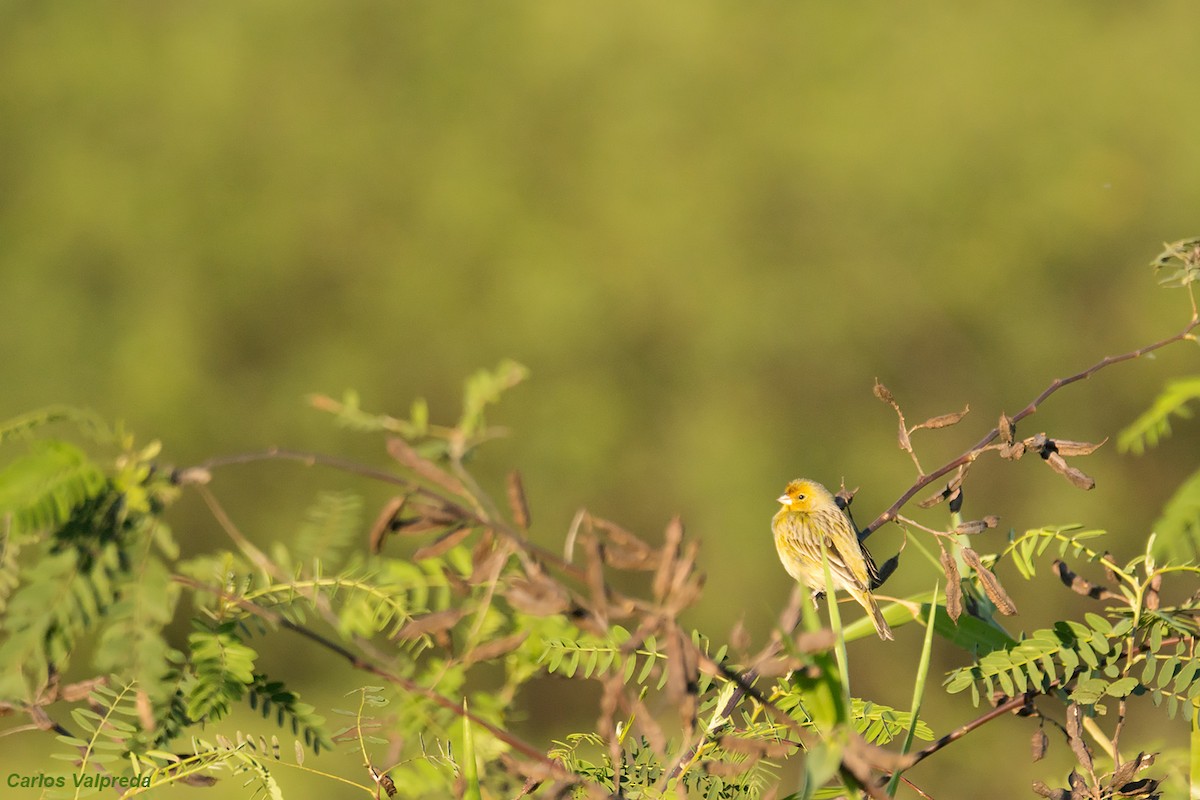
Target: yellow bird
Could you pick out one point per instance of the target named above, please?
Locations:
(811, 519)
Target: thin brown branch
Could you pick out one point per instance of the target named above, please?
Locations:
(311, 459)
(1058, 383)
(1011, 704)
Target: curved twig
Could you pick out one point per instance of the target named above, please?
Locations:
(980, 447)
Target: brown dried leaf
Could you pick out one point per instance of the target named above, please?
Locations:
(883, 394)
(593, 573)
(1038, 744)
(991, 585)
(763, 748)
(487, 560)
(1081, 585)
(442, 544)
(934, 499)
(844, 497)
(731, 769)
(956, 498)
(1108, 571)
(1152, 599)
(1042, 790)
(1075, 736)
(944, 420)
(610, 697)
(516, 500)
(74, 692)
(818, 641)
(1005, 428)
(669, 552)
(776, 666)
(977, 525)
(677, 678)
(1075, 476)
(645, 721)
(428, 624)
(537, 595)
(953, 586)
(401, 451)
(384, 522)
(1077, 448)
(1124, 773)
(192, 476)
(1012, 452)
(496, 648)
(1144, 787)
(739, 637)
(686, 583)
(145, 710)
(627, 551)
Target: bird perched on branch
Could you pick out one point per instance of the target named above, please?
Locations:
(811, 519)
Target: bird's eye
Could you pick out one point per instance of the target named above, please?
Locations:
(801, 497)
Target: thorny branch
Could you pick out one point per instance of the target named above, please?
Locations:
(968, 456)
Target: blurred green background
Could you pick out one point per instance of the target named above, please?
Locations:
(706, 229)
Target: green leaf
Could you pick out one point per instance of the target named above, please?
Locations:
(485, 388)
(330, 526)
(1154, 425)
(41, 489)
(1177, 531)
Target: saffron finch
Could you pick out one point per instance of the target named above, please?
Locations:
(811, 519)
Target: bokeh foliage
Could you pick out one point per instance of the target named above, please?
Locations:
(705, 230)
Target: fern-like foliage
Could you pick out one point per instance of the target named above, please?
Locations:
(1154, 424)
(271, 696)
(223, 666)
(1177, 531)
(330, 526)
(86, 422)
(41, 489)
(1070, 654)
(721, 774)
(1174, 678)
(132, 643)
(875, 722)
(594, 656)
(1066, 539)
(57, 603)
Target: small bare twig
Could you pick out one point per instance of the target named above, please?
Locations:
(968, 456)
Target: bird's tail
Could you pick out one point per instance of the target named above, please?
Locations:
(881, 627)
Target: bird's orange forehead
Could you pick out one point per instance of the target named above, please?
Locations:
(799, 487)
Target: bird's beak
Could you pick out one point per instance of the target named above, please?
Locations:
(784, 500)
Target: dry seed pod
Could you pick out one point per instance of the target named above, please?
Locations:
(496, 648)
(1077, 448)
(991, 585)
(934, 499)
(442, 544)
(1077, 477)
(384, 523)
(1005, 429)
(944, 420)
(1038, 744)
(977, 525)
(883, 394)
(516, 500)
(953, 586)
